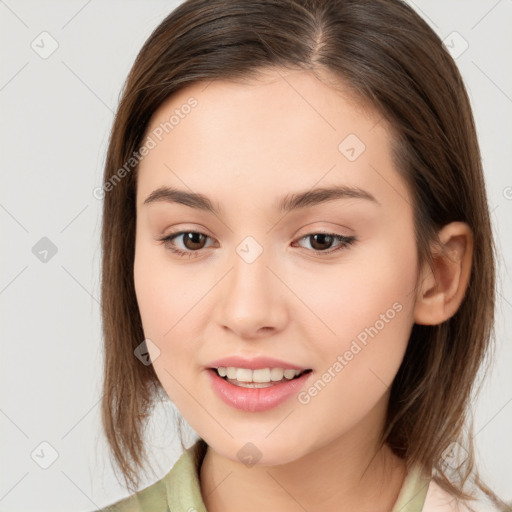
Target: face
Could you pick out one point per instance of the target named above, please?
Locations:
(323, 284)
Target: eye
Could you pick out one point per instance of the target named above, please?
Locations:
(194, 241)
(321, 242)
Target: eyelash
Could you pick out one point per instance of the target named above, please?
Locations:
(346, 241)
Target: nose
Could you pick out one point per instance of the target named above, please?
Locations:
(252, 299)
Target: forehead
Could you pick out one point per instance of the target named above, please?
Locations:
(271, 95)
(278, 131)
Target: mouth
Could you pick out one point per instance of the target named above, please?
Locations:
(258, 389)
(257, 378)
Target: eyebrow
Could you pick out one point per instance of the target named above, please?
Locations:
(287, 203)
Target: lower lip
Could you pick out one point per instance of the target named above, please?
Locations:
(255, 399)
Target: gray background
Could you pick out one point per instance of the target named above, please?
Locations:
(57, 111)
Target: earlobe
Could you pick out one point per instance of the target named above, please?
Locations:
(442, 290)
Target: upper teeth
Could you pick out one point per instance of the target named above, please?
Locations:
(260, 375)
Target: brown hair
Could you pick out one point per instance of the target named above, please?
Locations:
(390, 59)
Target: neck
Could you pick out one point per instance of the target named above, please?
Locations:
(340, 476)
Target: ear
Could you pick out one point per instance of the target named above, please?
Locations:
(441, 292)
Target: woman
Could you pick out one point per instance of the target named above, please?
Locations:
(297, 252)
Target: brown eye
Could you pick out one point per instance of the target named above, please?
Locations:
(321, 243)
(193, 240)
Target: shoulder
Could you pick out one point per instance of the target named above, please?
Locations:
(178, 489)
(152, 498)
(439, 500)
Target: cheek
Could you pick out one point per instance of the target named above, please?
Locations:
(384, 335)
(162, 308)
(163, 290)
(162, 296)
(363, 309)
(151, 297)
(352, 294)
(171, 301)
(369, 310)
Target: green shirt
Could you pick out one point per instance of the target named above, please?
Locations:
(179, 490)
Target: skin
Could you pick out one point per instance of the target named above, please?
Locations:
(245, 145)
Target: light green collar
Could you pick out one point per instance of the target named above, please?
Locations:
(184, 493)
(413, 492)
(182, 482)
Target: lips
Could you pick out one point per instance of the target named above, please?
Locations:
(256, 399)
(254, 363)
